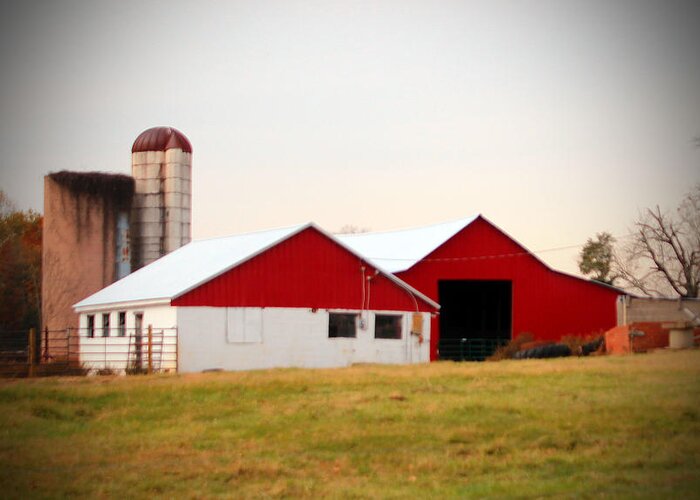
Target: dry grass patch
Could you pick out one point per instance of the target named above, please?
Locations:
(613, 426)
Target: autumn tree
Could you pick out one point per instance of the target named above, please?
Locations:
(20, 267)
(663, 255)
(597, 258)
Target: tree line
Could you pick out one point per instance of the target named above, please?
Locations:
(20, 267)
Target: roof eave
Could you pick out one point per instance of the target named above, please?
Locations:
(128, 304)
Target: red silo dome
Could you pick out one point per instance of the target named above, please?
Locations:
(161, 139)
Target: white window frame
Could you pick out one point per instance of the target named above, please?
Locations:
(90, 326)
(106, 326)
(121, 327)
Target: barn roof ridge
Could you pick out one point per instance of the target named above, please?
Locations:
(465, 220)
(255, 231)
(399, 250)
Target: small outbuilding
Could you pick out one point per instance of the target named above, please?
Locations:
(292, 297)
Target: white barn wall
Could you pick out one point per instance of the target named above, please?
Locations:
(290, 337)
(111, 352)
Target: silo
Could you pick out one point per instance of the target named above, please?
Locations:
(84, 244)
(161, 164)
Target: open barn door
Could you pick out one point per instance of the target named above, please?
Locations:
(475, 318)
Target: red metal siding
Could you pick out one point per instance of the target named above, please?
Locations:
(307, 270)
(546, 303)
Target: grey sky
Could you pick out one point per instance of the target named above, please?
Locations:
(553, 119)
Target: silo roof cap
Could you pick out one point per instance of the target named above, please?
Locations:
(161, 139)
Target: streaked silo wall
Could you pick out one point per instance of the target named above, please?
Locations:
(148, 209)
(86, 225)
(177, 187)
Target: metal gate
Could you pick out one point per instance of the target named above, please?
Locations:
(466, 349)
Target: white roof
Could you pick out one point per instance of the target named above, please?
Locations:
(188, 266)
(200, 261)
(396, 251)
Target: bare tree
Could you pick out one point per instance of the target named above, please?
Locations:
(352, 229)
(663, 255)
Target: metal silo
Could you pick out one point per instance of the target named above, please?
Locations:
(161, 164)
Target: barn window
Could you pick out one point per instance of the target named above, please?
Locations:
(341, 325)
(387, 326)
(122, 324)
(105, 325)
(91, 325)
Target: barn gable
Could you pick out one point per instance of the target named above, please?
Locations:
(489, 285)
(307, 270)
(397, 251)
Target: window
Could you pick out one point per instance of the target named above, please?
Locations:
(122, 324)
(341, 325)
(91, 325)
(387, 326)
(138, 324)
(105, 325)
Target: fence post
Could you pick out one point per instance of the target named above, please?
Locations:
(30, 354)
(177, 351)
(104, 365)
(150, 349)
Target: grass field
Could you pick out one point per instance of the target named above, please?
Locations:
(585, 427)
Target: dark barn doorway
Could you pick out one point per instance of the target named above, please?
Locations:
(475, 318)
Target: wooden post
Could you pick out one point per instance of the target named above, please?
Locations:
(30, 352)
(150, 349)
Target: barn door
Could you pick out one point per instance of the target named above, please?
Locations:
(475, 318)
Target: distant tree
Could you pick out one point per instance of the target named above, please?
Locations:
(597, 257)
(663, 256)
(20, 267)
(352, 229)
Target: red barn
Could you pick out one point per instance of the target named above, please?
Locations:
(285, 297)
(490, 288)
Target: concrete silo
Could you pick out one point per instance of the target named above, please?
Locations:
(161, 164)
(85, 243)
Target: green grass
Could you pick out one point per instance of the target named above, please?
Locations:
(576, 427)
